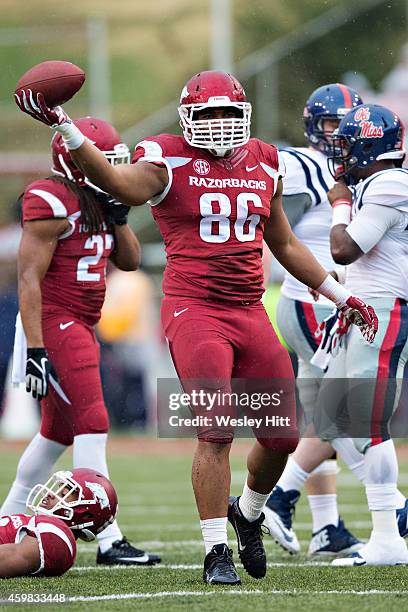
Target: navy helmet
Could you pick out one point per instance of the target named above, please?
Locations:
(367, 134)
(331, 101)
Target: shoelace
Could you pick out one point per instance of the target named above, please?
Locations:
(254, 530)
(224, 560)
(124, 543)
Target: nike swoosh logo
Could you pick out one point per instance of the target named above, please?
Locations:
(65, 325)
(285, 535)
(283, 532)
(177, 314)
(240, 547)
(141, 559)
(249, 169)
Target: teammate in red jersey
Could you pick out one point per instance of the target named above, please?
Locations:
(70, 505)
(70, 229)
(216, 194)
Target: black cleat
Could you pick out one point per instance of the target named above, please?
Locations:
(219, 567)
(123, 553)
(249, 535)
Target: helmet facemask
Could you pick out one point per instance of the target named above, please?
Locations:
(340, 160)
(220, 135)
(60, 486)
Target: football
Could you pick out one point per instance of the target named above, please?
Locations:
(58, 81)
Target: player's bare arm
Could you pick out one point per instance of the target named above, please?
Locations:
(37, 247)
(126, 255)
(19, 559)
(131, 184)
(287, 249)
(343, 248)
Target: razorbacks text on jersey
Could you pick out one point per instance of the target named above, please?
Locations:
(383, 269)
(55, 540)
(212, 215)
(307, 173)
(75, 280)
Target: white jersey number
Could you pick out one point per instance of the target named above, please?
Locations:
(220, 220)
(97, 241)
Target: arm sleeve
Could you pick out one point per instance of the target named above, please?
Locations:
(371, 223)
(295, 206)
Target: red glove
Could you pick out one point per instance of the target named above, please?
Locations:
(361, 314)
(38, 109)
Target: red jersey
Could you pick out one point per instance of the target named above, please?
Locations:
(55, 540)
(75, 280)
(212, 216)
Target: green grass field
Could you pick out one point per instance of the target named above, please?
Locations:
(157, 512)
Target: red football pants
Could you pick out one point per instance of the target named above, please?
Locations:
(77, 407)
(212, 342)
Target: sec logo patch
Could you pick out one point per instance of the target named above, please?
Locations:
(201, 166)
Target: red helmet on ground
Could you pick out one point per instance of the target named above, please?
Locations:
(214, 89)
(85, 499)
(103, 135)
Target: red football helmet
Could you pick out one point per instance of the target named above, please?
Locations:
(103, 135)
(214, 89)
(94, 505)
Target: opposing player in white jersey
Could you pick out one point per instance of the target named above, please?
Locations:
(370, 235)
(305, 188)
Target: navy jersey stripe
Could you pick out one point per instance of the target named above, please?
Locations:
(318, 170)
(301, 317)
(360, 197)
(308, 176)
(391, 382)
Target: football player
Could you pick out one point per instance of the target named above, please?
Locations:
(216, 194)
(363, 381)
(70, 229)
(70, 505)
(305, 202)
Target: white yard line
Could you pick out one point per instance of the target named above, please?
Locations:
(173, 544)
(234, 592)
(156, 525)
(184, 566)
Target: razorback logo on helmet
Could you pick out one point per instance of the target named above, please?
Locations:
(201, 166)
(369, 130)
(100, 494)
(362, 114)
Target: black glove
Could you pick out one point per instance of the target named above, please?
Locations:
(38, 371)
(116, 213)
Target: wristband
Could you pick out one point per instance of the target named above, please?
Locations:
(72, 136)
(341, 212)
(331, 289)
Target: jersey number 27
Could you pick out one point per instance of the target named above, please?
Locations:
(101, 243)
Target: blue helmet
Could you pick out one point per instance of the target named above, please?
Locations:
(327, 102)
(367, 134)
